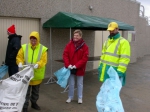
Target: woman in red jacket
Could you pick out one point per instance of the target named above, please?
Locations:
(75, 57)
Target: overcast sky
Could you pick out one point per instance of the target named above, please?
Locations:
(146, 4)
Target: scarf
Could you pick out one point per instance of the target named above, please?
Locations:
(78, 44)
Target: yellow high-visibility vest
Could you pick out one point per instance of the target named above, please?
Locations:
(32, 57)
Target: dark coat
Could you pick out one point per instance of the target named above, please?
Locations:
(13, 46)
(75, 57)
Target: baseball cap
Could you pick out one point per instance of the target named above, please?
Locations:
(112, 26)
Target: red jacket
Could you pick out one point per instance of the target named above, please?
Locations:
(75, 57)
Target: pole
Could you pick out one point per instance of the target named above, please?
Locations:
(70, 33)
(51, 79)
(102, 40)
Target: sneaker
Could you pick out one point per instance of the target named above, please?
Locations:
(68, 100)
(79, 100)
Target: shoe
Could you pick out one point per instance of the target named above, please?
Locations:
(25, 110)
(35, 106)
(80, 101)
(68, 100)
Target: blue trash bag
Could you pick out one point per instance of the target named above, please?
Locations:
(3, 71)
(62, 76)
(108, 99)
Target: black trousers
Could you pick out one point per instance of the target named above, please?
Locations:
(12, 70)
(34, 91)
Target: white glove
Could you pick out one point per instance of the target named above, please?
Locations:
(20, 65)
(36, 66)
(70, 67)
(73, 67)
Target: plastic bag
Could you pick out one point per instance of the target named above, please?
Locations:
(62, 76)
(13, 90)
(3, 71)
(108, 99)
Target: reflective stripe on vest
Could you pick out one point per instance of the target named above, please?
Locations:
(39, 54)
(113, 64)
(109, 63)
(115, 55)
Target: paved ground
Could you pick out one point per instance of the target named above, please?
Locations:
(135, 95)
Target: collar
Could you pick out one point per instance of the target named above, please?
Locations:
(115, 36)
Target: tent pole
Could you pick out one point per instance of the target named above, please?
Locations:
(51, 79)
(102, 40)
(70, 33)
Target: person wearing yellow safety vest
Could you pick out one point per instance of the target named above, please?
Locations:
(115, 53)
(33, 53)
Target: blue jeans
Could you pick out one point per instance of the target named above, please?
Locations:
(72, 84)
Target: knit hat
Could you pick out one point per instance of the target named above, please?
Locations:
(11, 29)
(112, 26)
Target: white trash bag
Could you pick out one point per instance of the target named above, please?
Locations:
(13, 90)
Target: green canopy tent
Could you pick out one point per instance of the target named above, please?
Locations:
(70, 21)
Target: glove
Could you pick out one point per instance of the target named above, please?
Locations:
(20, 65)
(36, 66)
(73, 67)
(70, 67)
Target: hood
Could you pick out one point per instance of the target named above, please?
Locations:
(36, 35)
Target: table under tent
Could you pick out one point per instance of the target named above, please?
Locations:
(65, 20)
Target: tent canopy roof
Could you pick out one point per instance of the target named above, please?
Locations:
(74, 21)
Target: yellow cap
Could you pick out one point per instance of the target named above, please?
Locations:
(112, 26)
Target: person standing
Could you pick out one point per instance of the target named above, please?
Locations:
(75, 57)
(13, 46)
(36, 54)
(115, 53)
